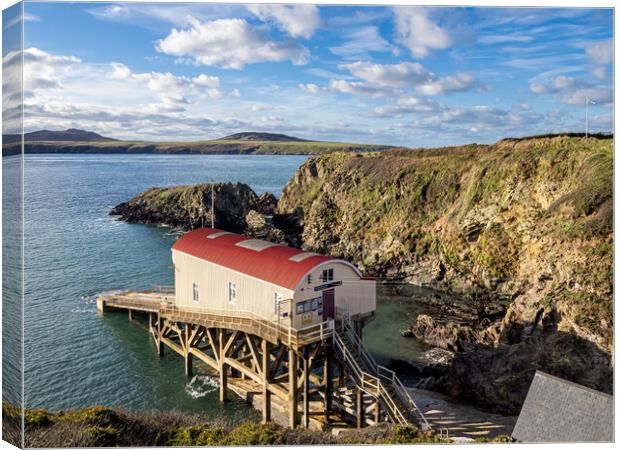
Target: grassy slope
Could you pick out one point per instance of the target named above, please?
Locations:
(108, 427)
(527, 219)
(206, 147)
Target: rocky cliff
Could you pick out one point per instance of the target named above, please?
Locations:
(520, 231)
(237, 208)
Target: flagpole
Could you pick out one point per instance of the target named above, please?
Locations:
(587, 101)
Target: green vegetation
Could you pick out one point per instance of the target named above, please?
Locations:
(218, 146)
(100, 426)
(499, 218)
(497, 439)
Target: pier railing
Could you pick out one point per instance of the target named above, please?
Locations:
(251, 322)
(161, 299)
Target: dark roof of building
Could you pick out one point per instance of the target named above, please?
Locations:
(557, 410)
(278, 264)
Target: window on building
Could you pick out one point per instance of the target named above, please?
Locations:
(328, 275)
(232, 292)
(196, 293)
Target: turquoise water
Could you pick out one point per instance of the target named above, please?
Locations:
(74, 250)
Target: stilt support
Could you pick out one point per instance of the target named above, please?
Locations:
(292, 386)
(328, 377)
(187, 354)
(359, 406)
(266, 352)
(223, 368)
(160, 329)
(306, 375)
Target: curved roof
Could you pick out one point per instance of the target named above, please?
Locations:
(278, 264)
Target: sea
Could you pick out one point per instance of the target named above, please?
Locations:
(74, 250)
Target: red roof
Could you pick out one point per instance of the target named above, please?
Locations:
(278, 264)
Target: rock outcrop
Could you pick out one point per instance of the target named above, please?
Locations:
(237, 208)
(520, 231)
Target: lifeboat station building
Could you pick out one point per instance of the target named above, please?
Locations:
(220, 270)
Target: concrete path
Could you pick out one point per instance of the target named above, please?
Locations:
(463, 422)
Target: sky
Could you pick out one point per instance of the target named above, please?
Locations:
(412, 76)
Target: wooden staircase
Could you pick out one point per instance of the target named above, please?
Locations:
(375, 380)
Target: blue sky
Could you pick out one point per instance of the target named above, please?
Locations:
(400, 75)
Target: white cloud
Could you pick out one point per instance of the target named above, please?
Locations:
(158, 16)
(407, 105)
(309, 88)
(572, 91)
(43, 70)
(260, 107)
(207, 81)
(491, 39)
(360, 41)
(410, 75)
(112, 12)
(31, 18)
(417, 31)
(170, 88)
(296, 20)
(601, 52)
(600, 72)
(460, 81)
(599, 95)
(403, 74)
(356, 88)
(230, 44)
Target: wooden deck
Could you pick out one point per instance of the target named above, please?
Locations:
(162, 303)
(295, 377)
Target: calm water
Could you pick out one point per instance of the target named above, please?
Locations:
(74, 250)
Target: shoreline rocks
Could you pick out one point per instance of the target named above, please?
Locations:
(237, 208)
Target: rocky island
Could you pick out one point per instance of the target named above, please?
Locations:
(519, 234)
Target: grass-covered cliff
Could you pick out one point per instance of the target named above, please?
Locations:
(522, 228)
(110, 427)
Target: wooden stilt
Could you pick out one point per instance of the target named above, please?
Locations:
(328, 376)
(292, 386)
(223, 367)
(306, 375)
(359, 407)
(160, 329)
(188, 355)
(377, 411)
(266, 351)
(130, 314)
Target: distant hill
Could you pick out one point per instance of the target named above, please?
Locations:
(264, 137)
(250, 143)
(70, 135)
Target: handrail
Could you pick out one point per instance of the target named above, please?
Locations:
(382, 372)
(319, 331)
(161, 299)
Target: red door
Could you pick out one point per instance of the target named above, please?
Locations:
(328, 304)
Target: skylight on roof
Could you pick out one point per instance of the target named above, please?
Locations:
(255, 244)
(301, 256)
(218, 234)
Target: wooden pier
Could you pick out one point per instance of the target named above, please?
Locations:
(315, 377)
